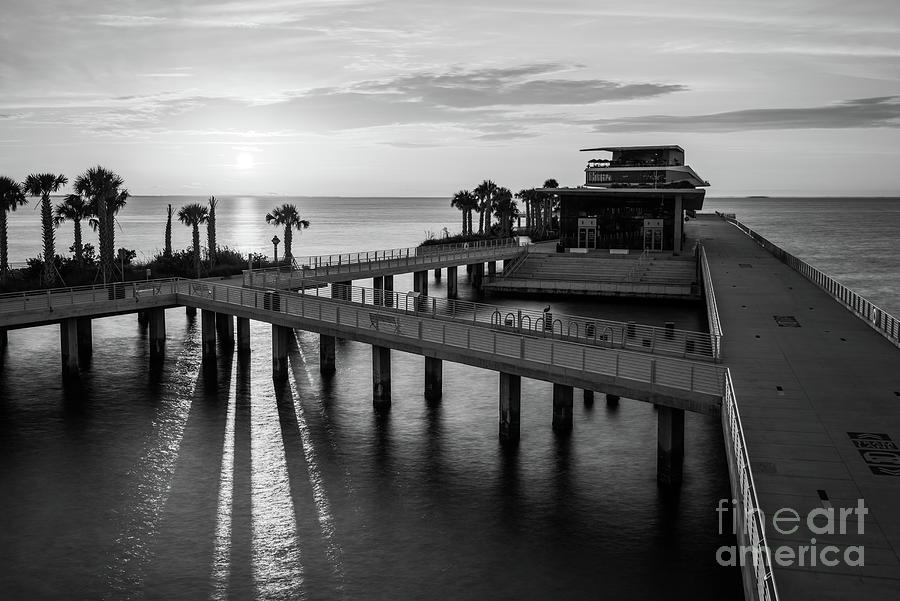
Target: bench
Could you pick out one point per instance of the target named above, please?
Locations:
(376, 319)
(201, 289)
(150, 290)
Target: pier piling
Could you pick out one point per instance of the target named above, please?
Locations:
(225, 330)
(510, 406)
(612, 400)
(451, 282)
(68, 342)
(326, 354)
(208, 334)
(492, 268)
(4, 338)
(562, 408)
(156, 318)
(378, 287)
(670, 448)
(243, 335)
(389, 290)
(381, 377)
(85, 339)
(190, 311)
(434, 369)
(280, 343)
(420, 282)
(588, 398)
(437, 274)
(478, 276)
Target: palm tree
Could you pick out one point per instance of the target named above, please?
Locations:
(548, 202)
(168, 249)
(505, 209)
(466, 202)
(529, 198)
(74, 209)
(288, 216)
(212, 249)
(43, 185)
(193, 215)
(11, 197)
(485, 193)
(102, 188)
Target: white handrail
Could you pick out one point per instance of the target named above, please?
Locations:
(752, 523)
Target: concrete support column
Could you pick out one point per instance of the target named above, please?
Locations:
(437, 274)
(381, 377)
(68, 346)
(478, 275)
(326, 354)
(143, 318)
(434, 375)
(588, 398)
(679, 224)
(562, 408)
(157, 321)
(4, 338)
(243, 335)
(492, 267)
(378, 286)
(85, 337)
(281, 336)
(225, 329)
(342, 290)
(208, 334)
(389, 291)
(670, 449)
(190, 311)
(420, 282)
(451, 282)
(510, 406)
(612, 400)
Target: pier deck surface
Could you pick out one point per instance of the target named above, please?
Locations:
(836, 376)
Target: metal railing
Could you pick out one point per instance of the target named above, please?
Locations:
(581, 329)
(408, 324)
(509, 267)
(359, 263)
(74, 295)
(877, 318)
(712, 308)
(752, 524)
(370, 256)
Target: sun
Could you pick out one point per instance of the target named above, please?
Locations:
(244, 161)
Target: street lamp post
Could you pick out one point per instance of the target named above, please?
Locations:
(275, 241)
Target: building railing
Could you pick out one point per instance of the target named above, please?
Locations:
(877, 318)
(752, 523)
(74, 295)
(712, 308)
(668, 372)
(580, 329)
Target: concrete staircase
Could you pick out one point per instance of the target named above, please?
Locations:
(607, 275)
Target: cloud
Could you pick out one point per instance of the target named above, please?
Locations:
(883, 111)
(510, 86)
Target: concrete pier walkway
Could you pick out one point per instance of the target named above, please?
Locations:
(819, 396)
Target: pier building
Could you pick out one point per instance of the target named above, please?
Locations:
(635, 200)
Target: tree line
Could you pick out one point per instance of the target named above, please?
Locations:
(490, 200)
(98, 196)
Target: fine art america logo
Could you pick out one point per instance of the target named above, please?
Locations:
(788, 522)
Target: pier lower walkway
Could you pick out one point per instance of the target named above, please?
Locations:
(818, 391)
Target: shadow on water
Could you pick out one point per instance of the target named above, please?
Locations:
(185, 545)
(240, 575)
(302, 490)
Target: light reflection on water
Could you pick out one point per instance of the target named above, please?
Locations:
(185, 483)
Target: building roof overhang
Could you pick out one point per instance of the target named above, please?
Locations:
(692, 198)
(615, 148)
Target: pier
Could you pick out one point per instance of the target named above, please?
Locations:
(816, 377)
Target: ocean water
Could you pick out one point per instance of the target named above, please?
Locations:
(184, 483)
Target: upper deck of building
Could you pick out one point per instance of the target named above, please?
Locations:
(641, 166)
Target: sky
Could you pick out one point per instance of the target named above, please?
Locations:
(422, 98)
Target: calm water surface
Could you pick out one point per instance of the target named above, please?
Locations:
(181, 482)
